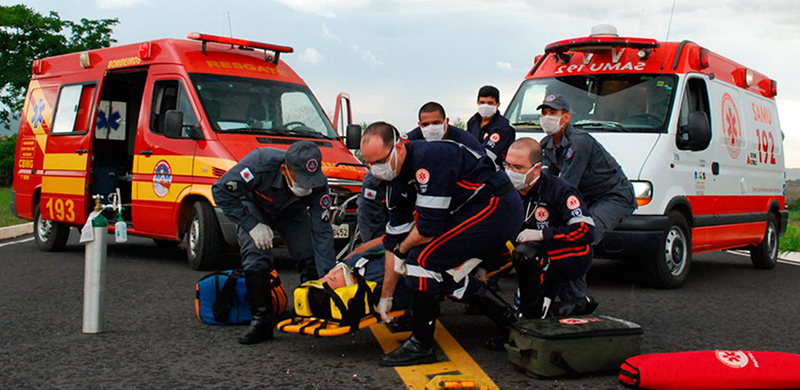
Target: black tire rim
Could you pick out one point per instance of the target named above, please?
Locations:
(675, 251)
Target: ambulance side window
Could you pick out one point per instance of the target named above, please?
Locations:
(695, 99)
(170, 95)
(72, 109)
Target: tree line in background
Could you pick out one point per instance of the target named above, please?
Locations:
(26, 35)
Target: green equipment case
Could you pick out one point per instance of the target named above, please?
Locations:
(572, 346)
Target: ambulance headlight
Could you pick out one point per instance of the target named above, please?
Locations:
(643, 191)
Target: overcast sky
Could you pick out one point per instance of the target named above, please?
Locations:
(392, 56)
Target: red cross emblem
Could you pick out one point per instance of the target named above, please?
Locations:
(733, 359)
(573, 202)
(541, 214)
(423, 176)
(731, 126)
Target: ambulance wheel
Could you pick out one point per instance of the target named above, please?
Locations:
(671, 263)
(765, 254)
(203, 237)
(50, 236)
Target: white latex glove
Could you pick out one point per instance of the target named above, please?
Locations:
(529, 235)
(384, 306)
(262, 236)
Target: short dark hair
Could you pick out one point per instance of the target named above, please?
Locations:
(386, 131)
(489, 91)
(432, 107)
(534, 149)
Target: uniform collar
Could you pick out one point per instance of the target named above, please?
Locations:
(565, 138)
(279, 181)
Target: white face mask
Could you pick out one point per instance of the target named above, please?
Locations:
(433, 132)
(518, 179)
(297, 190)
(384, 171)
(551, 124)
(487, 110)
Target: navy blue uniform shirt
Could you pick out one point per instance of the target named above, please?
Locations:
(496, 137)
(257, 178)
(436, 178)
(583, 162)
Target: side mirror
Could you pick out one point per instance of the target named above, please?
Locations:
(173, 123)
(353, 138)
(696, 135)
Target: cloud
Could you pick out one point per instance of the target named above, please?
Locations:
(114, 4)
(505, 66)
(326, 8)
(367, 55)
(311, 56)
(328, 35)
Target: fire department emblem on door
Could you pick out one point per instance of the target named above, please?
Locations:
(162, 178)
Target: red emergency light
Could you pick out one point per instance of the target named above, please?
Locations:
(773, 88)
(145, 50)
(241, 43)
(599, 42)
(704, 58)
(37, 67)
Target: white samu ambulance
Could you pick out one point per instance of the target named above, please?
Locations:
(696, 133)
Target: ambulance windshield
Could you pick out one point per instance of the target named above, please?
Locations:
(635, 103)
(246, 105)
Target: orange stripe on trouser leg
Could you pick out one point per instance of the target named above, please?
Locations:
(572, 254)
(481, 215)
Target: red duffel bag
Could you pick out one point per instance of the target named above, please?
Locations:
(712, 370)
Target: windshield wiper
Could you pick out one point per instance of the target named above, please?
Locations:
(526, 123)
(310, 134)
(249, 129)
(604, 125)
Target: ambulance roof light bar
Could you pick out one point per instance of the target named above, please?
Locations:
(242, 44)
(602, 37)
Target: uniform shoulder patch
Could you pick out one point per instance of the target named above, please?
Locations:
(369, 193)
(246, 175)
(573, 202)
(325, 201)
(423, 176)
(568, 154)
(495, 137)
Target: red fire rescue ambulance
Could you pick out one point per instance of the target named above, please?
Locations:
(696, 133)
(161, 121)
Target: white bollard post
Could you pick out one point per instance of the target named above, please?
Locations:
(95, 275)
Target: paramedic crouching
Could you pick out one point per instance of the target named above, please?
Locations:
(287, 191)
(444, 211)
(555, 250)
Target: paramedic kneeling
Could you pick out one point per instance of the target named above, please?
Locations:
(555, 216)
(445, 210)
(575, 156)
(286, 191)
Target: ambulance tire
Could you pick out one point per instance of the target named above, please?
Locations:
(50, 236)
(673, 258)
(203, 238)
(765, 254)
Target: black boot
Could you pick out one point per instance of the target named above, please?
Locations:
(579, 307)
(531, 264)
(259, 296)
(418, 349)
(490, 304)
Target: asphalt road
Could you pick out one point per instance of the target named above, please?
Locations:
(153, 339)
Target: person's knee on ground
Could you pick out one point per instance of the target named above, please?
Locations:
(493, 306)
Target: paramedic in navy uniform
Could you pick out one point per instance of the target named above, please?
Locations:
(433, 125)
(490, 127)
(555, 215)
(575, 156)
(286, 191)
(444, 211)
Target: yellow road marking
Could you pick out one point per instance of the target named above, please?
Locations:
(416, 377)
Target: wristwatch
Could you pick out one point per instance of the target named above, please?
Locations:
(398, 253)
